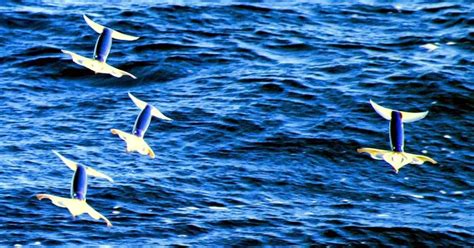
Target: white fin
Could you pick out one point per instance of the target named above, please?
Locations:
(75, 206)
(58, 201)
(73, 166)
(91, 64)
(115, 34)
(121, 36)
(396, 159)
(140, 104)
(116, 72)
(406, 116)
(154, 111)
(94, 173)
(96, 215)
(386, 113)
(374, 153)
(69, 163)
(134, 143)
(97, 27)
(420, 159)
(97, 66)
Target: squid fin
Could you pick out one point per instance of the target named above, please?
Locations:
(420, 159)
(96, 215)
(69, 163)
(396, 159)
(94, 173)
(97, 66)
(115, 34)
(407, 117)
(116, 72)
(90, 171)
(134, 143)
(74, 206)
(154, 111)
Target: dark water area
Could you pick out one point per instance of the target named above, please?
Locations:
(270, 103)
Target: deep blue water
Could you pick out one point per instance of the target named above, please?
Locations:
(270, 103)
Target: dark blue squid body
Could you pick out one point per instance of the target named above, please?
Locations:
(396, 132)
(143, 122)
(79, 183)
(103, 45)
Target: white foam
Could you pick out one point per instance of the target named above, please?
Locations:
(116, 212)
(447, 136)
(424, 151)
(418, 196)
(189, 208)
(442, 192)
(219, 208)
(278, 202)
(430, 47)
(457, 193)
(451, 43)
(116, 207)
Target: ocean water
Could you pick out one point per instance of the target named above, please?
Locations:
(269, 101)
